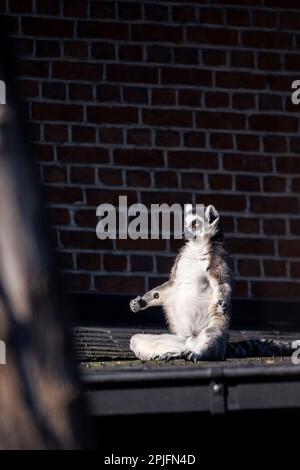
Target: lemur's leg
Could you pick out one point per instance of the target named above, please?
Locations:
(152, 298)
(211, 343)
(157, 347)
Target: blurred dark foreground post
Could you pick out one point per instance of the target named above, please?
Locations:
(40, 400)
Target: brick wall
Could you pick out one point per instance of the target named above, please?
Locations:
(170, 101)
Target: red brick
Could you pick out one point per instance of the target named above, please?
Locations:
(141, 263)
(269, 61)
(186, 55)
(194, 139)
(23, 47)
(164, 197)
(295, 226)
(274, 226)
(243, 101)
(217, 182)
(237, 17)
(240, 80)
(78, 91)
(139, 137)
(56, 112)
(48, 8)
(84, 239)
(274, 268)
(167, 138)
(82, 175)
(166, 179)
(289, 248)
(214, 57)
(88, 261)
(76, 49)
(167, 117)
(161, 54)
(132, 73)
(28, 88)
(265, 19)
(296, 185)
(156, 33)
(33, 68)
(243, 59)
(76, 71)
(83, 154)
(192, 159)
(270, 102)
(75, 282)
(56, 133)
(49, 27)
(141, 244)
(114, 262)
(267, 39)
(110, 176)
(15, 6)
(190, 97)
(184, 14)
(108, 93)
(220, 120)
(214, 36)
(156, 12)
(113, 115)
(251, 246)
(135, 94)
(54, 90)
(275, 290)
(75, 9)
(192, 180)
(65, 260)
(184, 76)
(289, 20)
(83, 134)
(136, 178)
(138, 157)
(273, 123)
(162, 96)
(131, 53)
(274, 184)
(216, 99)
(111, 135)
(47, 48)
(43, 152)
(104, 10)
(295, 270)
(57, 216)
(120, 284)
(63, 194)
(288, 164)
(249, 267)
(247, 183)
(55, 174)
(221, 141)
(105, 30)
(275, 143)
(85, 218)
(248, 225)
(224, 202)
(129, 11)
(274, 205)
(103, 50)
(211, 16)
(247, 142)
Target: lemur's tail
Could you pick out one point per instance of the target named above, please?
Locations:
(259, 348)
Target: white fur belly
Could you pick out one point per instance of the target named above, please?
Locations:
(191, 298)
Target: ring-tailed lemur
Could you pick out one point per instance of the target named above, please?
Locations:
(197, 302)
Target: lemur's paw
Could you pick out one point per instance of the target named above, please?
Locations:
(222, 306)
(135, 304)
(168, 357)
(190, 356)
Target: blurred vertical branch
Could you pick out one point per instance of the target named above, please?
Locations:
(40, 401)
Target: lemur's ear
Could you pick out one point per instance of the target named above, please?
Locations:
(211, 215)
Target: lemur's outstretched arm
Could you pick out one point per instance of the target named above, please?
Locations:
(153, 298)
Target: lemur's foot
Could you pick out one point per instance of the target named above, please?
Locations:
(222, 306)
(190, 356)
(137, 304)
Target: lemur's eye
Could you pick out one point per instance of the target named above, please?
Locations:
(156, 295)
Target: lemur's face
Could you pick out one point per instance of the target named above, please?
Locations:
(200, 226)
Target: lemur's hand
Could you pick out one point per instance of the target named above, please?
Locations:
(135, 304)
